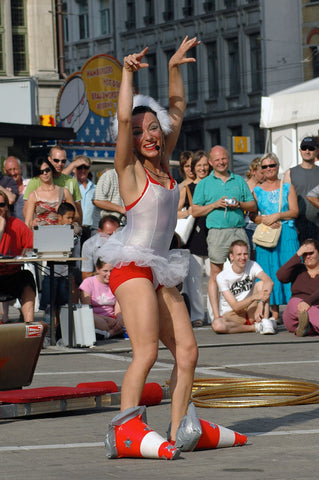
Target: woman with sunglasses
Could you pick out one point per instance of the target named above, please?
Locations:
(301, 315)
(44, 202)
(267, 199)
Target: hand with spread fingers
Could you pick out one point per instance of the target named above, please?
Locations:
(133, 62)
(179, 57)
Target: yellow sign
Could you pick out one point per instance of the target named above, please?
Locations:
(102, 76)
(241, 144)
(47, 120)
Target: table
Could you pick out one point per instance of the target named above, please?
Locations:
(51, 261)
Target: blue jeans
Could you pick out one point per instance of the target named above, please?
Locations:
(61, 292)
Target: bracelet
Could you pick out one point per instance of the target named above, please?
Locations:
(261, 301)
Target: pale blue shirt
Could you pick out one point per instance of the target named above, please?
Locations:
(88, 208)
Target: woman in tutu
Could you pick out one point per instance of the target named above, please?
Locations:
(146, 271)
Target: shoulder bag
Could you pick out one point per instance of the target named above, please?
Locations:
(264, 235)
(184, 226)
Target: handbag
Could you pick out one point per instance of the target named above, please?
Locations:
(264, 235)
(184, 226)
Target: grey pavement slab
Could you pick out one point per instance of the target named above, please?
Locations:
(282, 441)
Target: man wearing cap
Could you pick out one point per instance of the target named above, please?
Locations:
(304, 178)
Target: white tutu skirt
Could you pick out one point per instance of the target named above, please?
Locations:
(168, 271)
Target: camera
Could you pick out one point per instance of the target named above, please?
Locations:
(230, 201)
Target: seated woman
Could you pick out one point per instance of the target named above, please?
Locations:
(301, 315)
(96, 291)
(43, 203)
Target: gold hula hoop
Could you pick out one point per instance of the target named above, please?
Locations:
(220, 393)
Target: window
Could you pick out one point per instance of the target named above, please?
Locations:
(152, 76)
(215, 137)
(188, 9)
(235, 131)
(149, 12)
(233, 67)
(255, 63)
(2, 66)
(105, 17)
(168, 13)
(212, 63)
(209, 6)
(315, 61)
(83, 19)
(259, 139)
(193, 137)
(131, 18)
(230, 3)
(192, 79)
(65, 21)
(19, 37)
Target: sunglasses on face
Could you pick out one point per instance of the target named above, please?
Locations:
(2, 204)
(271, 165)
(57, 160)
(307, 253)
(307, 147)
(86, 167)
(45, 170)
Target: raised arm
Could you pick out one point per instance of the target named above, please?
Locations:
(176, 93)
(124, 156)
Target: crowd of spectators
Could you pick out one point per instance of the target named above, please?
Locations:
(226, 209)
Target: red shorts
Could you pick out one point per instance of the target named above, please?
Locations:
(248, 321)
(127, 272)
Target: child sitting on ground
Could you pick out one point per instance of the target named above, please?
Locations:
(96, 291)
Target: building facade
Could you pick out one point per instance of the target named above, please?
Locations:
(249, 48)
(30, 74)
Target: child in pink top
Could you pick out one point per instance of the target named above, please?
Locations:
(96, 291)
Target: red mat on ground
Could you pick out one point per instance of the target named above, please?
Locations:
(152, 393)
(44, 394)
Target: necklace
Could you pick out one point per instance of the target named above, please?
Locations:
(157, 174)
(48, 189)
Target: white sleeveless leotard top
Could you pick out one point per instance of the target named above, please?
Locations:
(146, 238)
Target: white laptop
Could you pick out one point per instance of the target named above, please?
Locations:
(53, 241)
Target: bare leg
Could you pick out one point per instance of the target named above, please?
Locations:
(231, 322)
(5, 308)
(213, 293)
(275, 311)
(27, 304)
(177, 334)
(141, 320)
(113, 326)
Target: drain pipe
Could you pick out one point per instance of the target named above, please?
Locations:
(60, 35)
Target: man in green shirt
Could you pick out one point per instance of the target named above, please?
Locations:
(222, 197)
(57, 157)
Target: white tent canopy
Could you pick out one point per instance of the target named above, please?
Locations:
(290, 115)
(297, 104)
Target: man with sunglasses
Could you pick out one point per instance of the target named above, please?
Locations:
(57, 157)
(304, 178)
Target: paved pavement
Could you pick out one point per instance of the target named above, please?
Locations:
(283, 441)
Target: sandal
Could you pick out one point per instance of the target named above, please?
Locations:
(197, 323)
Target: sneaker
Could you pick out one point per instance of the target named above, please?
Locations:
(265, 327)
(46, 342)
(274, 323)
(101, 334)
(303, 325)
